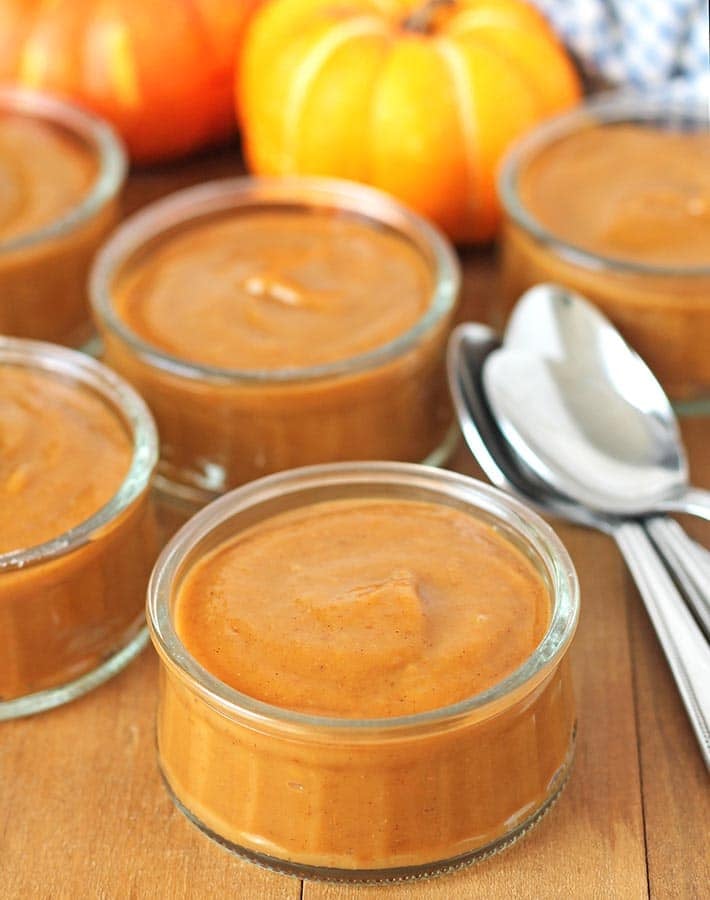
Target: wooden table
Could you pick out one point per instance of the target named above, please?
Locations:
(83, 813)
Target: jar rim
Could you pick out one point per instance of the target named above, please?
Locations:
(124, 402)
(517, 516)
(610, 107)
(92, 130)
(247, 192)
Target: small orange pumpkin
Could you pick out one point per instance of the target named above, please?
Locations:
(162, 71)
(420, 102)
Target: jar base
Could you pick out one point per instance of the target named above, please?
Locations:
(397, 874)
(30, 704)
(177, 501)
(440, 455)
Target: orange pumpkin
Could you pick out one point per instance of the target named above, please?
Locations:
(162, 71)
(420, 102)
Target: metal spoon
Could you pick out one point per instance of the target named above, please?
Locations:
(686, 650)
(585, 411)
(587, 417)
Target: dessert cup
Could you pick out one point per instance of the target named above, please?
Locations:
(221, 428)
(373, 799)
(43, 272)
(662, 310)
(72, 608)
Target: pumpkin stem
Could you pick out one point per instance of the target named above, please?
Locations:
(421, 19)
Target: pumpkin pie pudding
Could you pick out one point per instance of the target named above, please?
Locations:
(76, 532)
(614, 201)
(364, 670)
(60, 172)
(274, 323)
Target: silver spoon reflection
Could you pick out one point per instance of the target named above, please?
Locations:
(685, 647)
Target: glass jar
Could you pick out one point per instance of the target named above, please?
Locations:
(663, 311)
(43, 271)
(72, 608)
(375, 799)
(220, 428)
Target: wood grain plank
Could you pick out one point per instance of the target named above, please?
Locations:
(675, 781)
(83, 812)
(676, 787)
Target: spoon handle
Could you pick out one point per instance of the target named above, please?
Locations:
(688, 561)
(687, 651)
(694, 502)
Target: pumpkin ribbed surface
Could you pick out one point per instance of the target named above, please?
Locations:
(420, 102)
(161, 71)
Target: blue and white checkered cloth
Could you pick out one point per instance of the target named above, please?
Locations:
(642, 44)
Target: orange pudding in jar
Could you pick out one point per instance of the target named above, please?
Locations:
(77, 536)
(60, 173)
(275, 323)
(364, 670)
(613, 200)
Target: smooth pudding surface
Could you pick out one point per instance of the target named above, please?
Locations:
(371, 608)
(44, 173)
(273, 289)
(625, 191)
(63, 455)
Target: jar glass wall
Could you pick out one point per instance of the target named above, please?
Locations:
(72, 607)
(369, 799)
(661, 308)
(44, 267)
(224, 427)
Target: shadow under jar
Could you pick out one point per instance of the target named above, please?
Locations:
(274, 323)
(403, 718)
(61, 171)
(613, 201)
(77, 530)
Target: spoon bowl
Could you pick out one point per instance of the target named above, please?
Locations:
(584, 413)
(470, 347)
